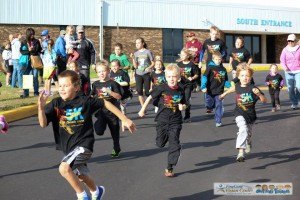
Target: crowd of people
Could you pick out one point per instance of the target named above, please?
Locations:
(169, 88)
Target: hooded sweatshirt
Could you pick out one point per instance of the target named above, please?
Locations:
(290, 59)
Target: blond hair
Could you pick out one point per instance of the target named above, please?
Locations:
(216, 55)
(173, 67)
(102, 63)
(244, 67)
(214, 28)
(69, 28)
(188, 52)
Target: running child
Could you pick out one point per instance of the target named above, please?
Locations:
(108, 90)
(245, 115)
(214, 80)
(157, 76)
(170, 100)
(238, 55)
(84, 82)
(3, 124)
(275, 83)
(73, 113)
(189, 74)
(121, 77)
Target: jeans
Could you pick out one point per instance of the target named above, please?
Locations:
(14, 76)
(293, 85)
(213, 101)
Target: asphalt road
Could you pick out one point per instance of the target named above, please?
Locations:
(29, 161)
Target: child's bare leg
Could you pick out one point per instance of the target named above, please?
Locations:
(66, 172)
(7, 78)
(142, 100)
(48, 85)
(89, 182)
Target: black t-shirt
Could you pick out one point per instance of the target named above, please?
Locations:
(274, 82)
(121, 76)
(237, 80)
(187, 71)
(245, 102)
(239, 55)
(75, 120)
(216, 78)
(158, 79)
(167, 100)
(97, 87)
(213, 47)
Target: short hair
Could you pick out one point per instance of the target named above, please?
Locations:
(273, 64)
(75, 79)
(116, 61)
(102, 63)
(216, 55)
(119, 45)
(244, 67)
(214, 28)
(240, 38)
(6, 42)
(173, 67)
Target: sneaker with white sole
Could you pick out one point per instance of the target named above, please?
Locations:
(240, 157)
(248, 148)
(101, 193)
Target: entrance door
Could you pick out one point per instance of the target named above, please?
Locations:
(172, 44)
(271, 54)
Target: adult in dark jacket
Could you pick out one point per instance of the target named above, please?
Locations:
(87, 53)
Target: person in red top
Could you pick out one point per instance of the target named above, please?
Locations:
(195, 46)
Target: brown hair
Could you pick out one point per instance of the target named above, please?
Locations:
(75, 64)
(273, 65)
(6, 42)
(214, 28)
(75, 79)
(241, 38)
(242, 67)
(143, 42)
(119, 45)
(50, 45)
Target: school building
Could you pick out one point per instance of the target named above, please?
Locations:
(163, 23)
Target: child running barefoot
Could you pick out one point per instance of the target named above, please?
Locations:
(109, 90)
(275, 82)
(245, 114)
(121, 77)
(3, 124)
(73, 113)
(170, 100)
(157, 77)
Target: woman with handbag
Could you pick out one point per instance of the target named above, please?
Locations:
(33, 50)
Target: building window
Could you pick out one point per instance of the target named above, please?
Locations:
(252, 44)
(172, 44)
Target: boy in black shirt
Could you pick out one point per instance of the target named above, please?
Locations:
(213, 81)
(121, 77)
(170, 100)
(275, 83)
(245, 115)
(84, 82)
(238, 55)
(213, 45)
(73, 113)
(111, 91)
(189, 73)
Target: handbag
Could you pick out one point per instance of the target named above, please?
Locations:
(36, 62)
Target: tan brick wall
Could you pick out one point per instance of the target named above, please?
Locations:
(281, 42)
(127, 36)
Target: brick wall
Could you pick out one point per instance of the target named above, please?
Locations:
(127, 37)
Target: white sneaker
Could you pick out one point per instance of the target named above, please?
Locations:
(294, 107)
(156, 109)
(240, 157)
(248, 148)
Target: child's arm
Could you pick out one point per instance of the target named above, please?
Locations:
(230, 90)
(41, 109)
(125, 121)
(111, 93)
(142, 111)
(262, 97)
(135, 65)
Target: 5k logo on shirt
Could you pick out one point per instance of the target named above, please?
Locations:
(238, 56)
(213, 48)
(219, 75)
(245, 100)
(74, 114)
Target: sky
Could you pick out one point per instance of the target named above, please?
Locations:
(276, 3)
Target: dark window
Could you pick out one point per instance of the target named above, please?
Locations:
(172, 44)
(271, 54)
(252, 44)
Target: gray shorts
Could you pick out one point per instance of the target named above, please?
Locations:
(78, 159)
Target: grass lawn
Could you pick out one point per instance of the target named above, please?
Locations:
(10, 97)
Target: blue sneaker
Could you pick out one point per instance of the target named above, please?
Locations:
(84, 198)
(101, 193)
